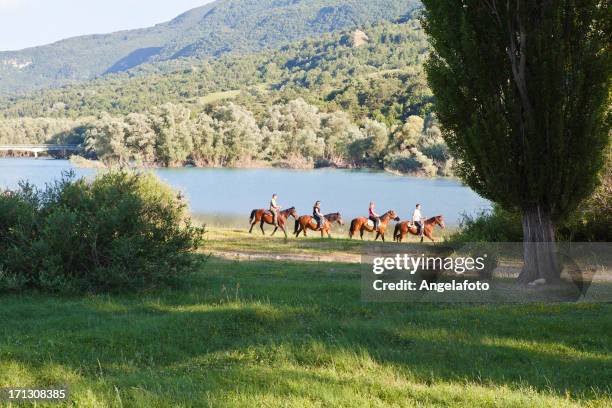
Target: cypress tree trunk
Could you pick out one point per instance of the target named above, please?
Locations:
(539, 247)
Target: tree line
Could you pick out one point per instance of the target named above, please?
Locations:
(296, 134)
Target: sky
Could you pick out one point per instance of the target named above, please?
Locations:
(28, 23)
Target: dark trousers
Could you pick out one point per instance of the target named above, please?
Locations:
(419, 226)
(318, 219)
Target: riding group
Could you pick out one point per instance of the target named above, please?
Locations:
(277, 217)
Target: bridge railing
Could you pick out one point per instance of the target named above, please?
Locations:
(39, 147)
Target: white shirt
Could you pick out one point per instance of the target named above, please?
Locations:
(416, 215)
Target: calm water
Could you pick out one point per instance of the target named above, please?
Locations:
(230, 194)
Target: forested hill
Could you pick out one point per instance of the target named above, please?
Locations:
(379, 77)
(356, 98)
(216, 29)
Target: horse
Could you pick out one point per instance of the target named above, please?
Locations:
(265, 217)
(306, 222)
(406, 227)
(361, 224)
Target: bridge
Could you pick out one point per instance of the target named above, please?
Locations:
(39, 148)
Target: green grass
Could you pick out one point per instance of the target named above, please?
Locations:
(296, 335)
(238, 240)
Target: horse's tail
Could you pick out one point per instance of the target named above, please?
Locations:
(253, 214)
(297, 226)
(353, 228)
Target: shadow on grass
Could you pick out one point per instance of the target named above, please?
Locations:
(284, 316)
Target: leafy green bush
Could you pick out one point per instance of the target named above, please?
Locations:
(496, 225)
(121, 231)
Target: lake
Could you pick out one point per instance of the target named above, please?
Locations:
(226, 196)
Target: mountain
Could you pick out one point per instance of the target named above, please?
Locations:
(216, 29)
(375, 71)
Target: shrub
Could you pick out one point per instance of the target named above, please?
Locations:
(496, 225)
(121, 231)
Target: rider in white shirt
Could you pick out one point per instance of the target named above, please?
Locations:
(417, 219)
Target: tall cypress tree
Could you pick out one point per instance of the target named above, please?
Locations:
(523, 93)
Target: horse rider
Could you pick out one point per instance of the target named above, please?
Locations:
(417, 219)
(316, 214)
(274, 209)
(373, 216)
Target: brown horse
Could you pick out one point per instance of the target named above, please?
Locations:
(262, 217)
(406, 227)
(306, 222)
(361, 224)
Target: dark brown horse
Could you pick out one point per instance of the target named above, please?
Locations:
(306, 222)
(361, 224)
(265, 217)
(406, 227)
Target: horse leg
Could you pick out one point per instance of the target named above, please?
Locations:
(284, 231)
(274, 232)
(261, 224)
(254, 222)
(382, 236)
(377, 235)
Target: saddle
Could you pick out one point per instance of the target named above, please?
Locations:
(370, 223)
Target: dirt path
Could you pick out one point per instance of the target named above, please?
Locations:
(254, 256)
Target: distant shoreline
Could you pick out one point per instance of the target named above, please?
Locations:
(83, 163)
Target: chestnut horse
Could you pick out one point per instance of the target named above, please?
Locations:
(361, 224)
(306, 222)
(406, 227)
(265, 217)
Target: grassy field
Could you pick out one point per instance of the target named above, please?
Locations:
(233, 241)
(295, 334)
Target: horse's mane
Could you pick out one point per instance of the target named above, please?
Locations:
(387, 213)
(433, 218)
(331, 214)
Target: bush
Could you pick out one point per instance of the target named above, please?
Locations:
(121, 231)
(496, 225)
